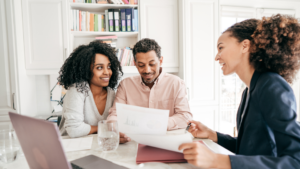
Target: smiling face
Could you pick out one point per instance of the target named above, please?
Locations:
(101, 70)
(232, 54)
(148, 65)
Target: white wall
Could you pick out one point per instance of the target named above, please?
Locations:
(25, 84)
(43, 95)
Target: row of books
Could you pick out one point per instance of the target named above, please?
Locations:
(113, 20)
(125, 56)
(131, 2)
(86, 21)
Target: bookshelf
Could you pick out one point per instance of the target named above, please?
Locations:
(99, 7)
(125, 39)
(158, 20)
(119, 34)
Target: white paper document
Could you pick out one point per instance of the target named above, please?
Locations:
(167, 142)
(216, 147)
(140, 120)
(77, 144)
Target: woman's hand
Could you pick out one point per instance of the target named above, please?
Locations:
(199, 155)
(93, 130)
(199, 130)
(123, 138)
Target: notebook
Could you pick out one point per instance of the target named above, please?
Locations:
(152, 154)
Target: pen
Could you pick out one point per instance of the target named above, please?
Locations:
(187, 128)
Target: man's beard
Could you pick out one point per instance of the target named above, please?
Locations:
(149, 81)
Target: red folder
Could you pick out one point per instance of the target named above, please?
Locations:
(152, 154)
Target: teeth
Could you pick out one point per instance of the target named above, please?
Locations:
(222, 64)
(105, 78)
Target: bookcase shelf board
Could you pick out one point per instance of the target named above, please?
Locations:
(119, 34)
(99, 7)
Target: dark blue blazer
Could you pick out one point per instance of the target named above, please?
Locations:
(268, 133)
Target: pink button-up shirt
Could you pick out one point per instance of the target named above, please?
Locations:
(168, 92)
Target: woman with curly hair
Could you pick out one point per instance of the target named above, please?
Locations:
(265, 54)
(90, 75)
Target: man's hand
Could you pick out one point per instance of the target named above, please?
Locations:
(124, 138)
(199, 155)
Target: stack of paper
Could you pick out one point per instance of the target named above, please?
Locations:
(216, 147)
(167, 142)
(77, 144)
(149, 127)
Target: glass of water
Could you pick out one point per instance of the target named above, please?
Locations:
(108, 135)
(9, 146)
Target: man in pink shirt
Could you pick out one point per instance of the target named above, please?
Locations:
(153, 88)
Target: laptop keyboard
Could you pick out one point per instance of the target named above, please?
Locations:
(74, 166)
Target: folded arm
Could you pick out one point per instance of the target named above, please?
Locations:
(73, 114)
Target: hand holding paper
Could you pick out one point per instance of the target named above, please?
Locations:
(201, 155)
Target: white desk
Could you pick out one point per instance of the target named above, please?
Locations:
(125, 155)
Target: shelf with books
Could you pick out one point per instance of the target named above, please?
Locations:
(80, 21)
(119, 34)
(123, 22)
(99, 7)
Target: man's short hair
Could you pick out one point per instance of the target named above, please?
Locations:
(145, 45)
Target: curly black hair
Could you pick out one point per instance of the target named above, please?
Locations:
(145, 45)
(77, 68)
(275, 44)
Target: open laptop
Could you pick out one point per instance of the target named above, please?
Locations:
(40, 141)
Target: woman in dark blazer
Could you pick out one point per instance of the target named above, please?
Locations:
(265, 54)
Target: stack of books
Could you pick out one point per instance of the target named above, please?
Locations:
(111, 40)
(125, 56)
(131, 2)
(113, 20)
